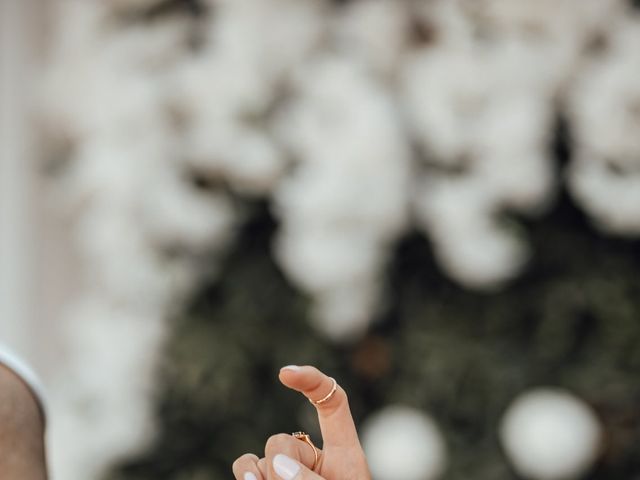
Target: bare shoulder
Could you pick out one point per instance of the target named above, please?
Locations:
(22, 452)
(18, 404)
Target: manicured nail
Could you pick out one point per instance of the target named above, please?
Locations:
(250, 476)
(293, 368)
(285, 467)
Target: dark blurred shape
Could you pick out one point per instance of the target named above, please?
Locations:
(372, 358)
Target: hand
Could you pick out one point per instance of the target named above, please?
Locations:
(287, 458)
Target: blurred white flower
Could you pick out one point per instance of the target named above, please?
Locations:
(553, 31)
(483, 125)
(107, 391)
(373, 32)
(604, 106)
(402, 443)
(459, 215)
(347, 198)
(611, 197)
(479, 102)
(109, 96)
(549, 434)
(271, 36)
(224, 95)
(173, 214)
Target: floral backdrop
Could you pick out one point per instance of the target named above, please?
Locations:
(437, 200)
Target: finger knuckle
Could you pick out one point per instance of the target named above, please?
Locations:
(277, 441)
(242, 461)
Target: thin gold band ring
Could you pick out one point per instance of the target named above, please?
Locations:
(328, 396)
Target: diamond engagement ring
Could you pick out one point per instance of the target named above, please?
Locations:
(304, 437)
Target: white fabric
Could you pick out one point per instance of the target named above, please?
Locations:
(24, 371)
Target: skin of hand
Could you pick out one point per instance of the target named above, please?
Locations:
(287, 458)
(22, 449)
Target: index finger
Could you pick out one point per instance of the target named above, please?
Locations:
(334, 415)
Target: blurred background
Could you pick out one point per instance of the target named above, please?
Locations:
(437, 202)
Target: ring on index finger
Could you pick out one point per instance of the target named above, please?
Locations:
(328, 396)
(304, 437)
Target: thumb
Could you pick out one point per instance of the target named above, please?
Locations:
(288, 469)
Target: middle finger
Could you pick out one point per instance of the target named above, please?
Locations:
(291, 446)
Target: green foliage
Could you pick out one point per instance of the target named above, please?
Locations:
(571, 320)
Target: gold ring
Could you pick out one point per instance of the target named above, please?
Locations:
(307, 439)
(328, 396)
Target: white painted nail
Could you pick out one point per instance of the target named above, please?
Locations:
(250, 476)
(285, 467)
(293, 368)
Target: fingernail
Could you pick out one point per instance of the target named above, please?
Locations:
(250, 476)
(293, 368)
(285, 467)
